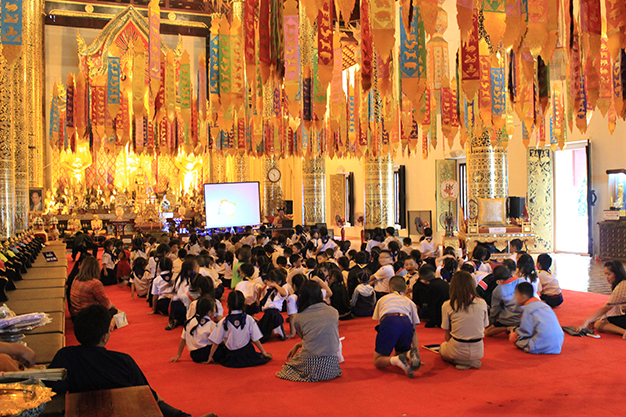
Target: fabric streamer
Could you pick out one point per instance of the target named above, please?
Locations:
(325, 44)
(55, 115)
(409, 60)
(494, 12)
(470, 61)
(170, 86)
(606, 84)
(366, 47)
(214, 69)
(292, 57)
(484, 91)
(98, 105)
(80, 105)
(249, 39)
(154, 19)
(202, 100)
(383, 26)
(139, 81)
(69, 105)
(264, 39)
(184, 89)
(498, 98)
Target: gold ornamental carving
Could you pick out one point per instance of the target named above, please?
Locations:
(379, 204)
(314, 190)
(487, 167)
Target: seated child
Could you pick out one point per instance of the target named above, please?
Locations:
(292, 301)
(505, 312)
(406, 245)
(208, 270)
(272, 321)
(426, 245)
(398, 316)
(550, 289)
(431, 292)
(411, 276)
(380, 280)
(515, 247)
(539, 330)
(140, 279)
(162, 288)
(107, 275)
(250, 288)
(364, 297)
(235, 336)
(339, 299)
(448, 268)
(122, 269)
(196, 332)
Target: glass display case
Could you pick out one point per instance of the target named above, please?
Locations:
(617, 183)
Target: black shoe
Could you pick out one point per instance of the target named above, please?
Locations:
(430, 325)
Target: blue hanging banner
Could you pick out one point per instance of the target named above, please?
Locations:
(11, 31)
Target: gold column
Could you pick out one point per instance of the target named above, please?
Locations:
(20, 143)
(272, 192)
(7, 169)
(487, 168)
(314, 190)
(218, 168)
(34, 79)
(239, 168)
(379, 192)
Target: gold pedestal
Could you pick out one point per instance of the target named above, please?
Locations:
(487, 167)
(379, 208)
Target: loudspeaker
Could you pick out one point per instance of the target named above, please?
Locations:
(288, 206)
(515, 207)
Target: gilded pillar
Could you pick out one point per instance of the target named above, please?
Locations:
(314, 190)
(239, 168)
(218, 168)
(487, 168)
(272, 192)
(20, 145)
(7, 169)
(379, 210)
(34, 80)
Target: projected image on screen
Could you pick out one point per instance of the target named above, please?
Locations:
(232, 205)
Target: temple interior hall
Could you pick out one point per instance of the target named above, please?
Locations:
(233, 130)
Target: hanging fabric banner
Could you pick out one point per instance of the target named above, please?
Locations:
(319, 95)
(592, 76)
(447, 112)
(494, 12)
(184, 89)
(113, 85)
(537, 34)
(464, 16)
(366, 47)
(69, 105)
(409, 59)
(170, 86)
(591, 27)
(428, 10)
(139, 81)
(292, 57)
(515, 25)
(383, 26)
(154, 18)
(618, 87)
(325, 44)
(484, 92)
(11, 29)
(214, 69)
(237, 78)
(159, 101)
(98, 105)
(225, 66)
(202, 101)
(615, 26)
(277, 38)
(581, 110)
(606, 84)
(337, 95)
(249, 39)
(80, 105)
(123, 122)
(498, 98)
(264, 39)
(55, 116)
(470, 61)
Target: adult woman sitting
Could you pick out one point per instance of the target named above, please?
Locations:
(87, 289)
(315, 357)
(611, 318)
(464, 318)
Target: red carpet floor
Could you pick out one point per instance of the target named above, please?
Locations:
(588, 377)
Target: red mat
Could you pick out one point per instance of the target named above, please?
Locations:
(588, 377)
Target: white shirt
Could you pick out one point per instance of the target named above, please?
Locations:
(276, 303)
(200, 336)
(211, 273)
(549, 284)
(250, 290)
(371, 244)
(426, 248)
(249, 240)
(142, 283)
(153, 266)
(330, 244)
(407, 249)
(383, 275)
(219, 309)
(193, 249)
(293, 272)
(292, 304)
(161, 287)
(236, 338)
(137, 254)
(107, 261)
(176, 266)
(395, 303)
(388, 240)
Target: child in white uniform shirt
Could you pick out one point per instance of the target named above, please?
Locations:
(162, 290)
(550, 289)
(426, 246)
(272, 321)
(380, 280)
(140, 279)
(251, 288)
(364, 296)
(526, 270)
(398, 317)
(181, 300)
(108, 265)
(197, 331)
(234, 336)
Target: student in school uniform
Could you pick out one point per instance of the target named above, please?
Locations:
(380, 279)
(550, 290)
(431, 293)
(364, 297)
(196, 332)
(235, 336)
(515, 246)
(193, 246)
(140, 279)
(539, 330)
(407, 245)
(137, 250)
(339, 300)
(426, 245)
(107, 275)
(464, 320)
(390, 233)
(396, 332)
(360, 263)
(153, 263)
(411, 276)
(505, 312)
(292, 301)
(527, 271)
(162, 288)
(272, 321)
(180, 300)
(296, 268)
(611, 317)
(325, 242)
(251, 289)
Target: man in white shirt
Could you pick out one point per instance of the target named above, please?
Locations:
(380, 280)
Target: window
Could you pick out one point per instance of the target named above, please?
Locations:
(463, 191)
(349, 215)
(399, 195)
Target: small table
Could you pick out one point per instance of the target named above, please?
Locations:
(119, 402)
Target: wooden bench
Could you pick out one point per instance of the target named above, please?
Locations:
(40, 283)
(120, 402)
(51, 305)
(56, 326)
(37, 294)
(45, 273)
(45, 345)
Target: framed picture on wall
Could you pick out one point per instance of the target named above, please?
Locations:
(35, 199)
(418, 220)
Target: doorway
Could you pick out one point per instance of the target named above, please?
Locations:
(570, 201)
